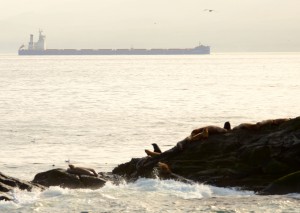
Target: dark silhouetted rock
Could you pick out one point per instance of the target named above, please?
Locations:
(5, 196)
(55, 177)
(247, 158)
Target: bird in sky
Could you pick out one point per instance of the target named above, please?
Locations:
(209, 10)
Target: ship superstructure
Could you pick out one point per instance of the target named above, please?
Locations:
(39, 48)
(40, 45)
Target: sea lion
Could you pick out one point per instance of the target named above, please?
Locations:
(151, 154)
(81, 171)
(248, 126)
(227, 126)
(166, 171)
(275, 122)
(201, 135)
(156, 148)
(164, 168)
(261, 124)
(211, 129)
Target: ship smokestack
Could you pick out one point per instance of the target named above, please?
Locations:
(30, 45)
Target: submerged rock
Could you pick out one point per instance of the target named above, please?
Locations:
(250, 158)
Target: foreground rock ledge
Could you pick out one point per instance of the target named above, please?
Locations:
(54, 177)
(245, 158)
(7, 184)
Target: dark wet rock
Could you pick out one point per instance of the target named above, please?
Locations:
(60, 177)
(54, 177)
(246, 158)
(5, 196)
(7, 184)
(109, 176)
(5, 188)
(284, 185)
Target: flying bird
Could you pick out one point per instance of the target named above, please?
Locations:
(209, 10)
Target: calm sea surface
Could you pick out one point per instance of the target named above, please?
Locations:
(100, 111)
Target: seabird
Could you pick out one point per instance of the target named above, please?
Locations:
(209, 10)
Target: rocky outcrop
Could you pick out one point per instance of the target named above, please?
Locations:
(60, 177)
(7, 184)
(250, 157)
(264, 157)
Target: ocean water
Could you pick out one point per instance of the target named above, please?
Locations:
(100, 111)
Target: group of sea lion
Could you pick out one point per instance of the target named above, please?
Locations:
(259, 125)
(196, 135)
(227, 126)
(203, 132)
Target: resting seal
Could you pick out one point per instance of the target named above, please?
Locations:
(213, 129)
(261, 124)
(275, 122)
(81, 171)
(248, 126)
(202, 135)
(164, 168)
(166, 171)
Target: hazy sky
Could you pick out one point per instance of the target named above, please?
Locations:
(235, 25)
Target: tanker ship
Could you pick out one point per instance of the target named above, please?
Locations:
(39, 48)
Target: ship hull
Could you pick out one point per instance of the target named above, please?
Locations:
(194, 51)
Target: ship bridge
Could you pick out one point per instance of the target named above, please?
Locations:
(40, 44)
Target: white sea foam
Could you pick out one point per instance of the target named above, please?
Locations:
(294, 195)
(175, 188)
(221, 191)
(172, 188)
(54, 192)
(145, 195)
